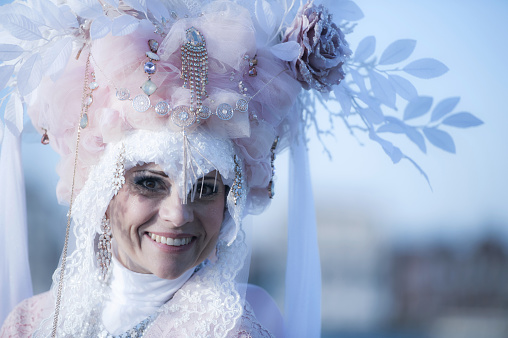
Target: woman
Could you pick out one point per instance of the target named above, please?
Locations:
(168, 117)
(161, 186)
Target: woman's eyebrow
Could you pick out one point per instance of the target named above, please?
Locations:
(156, 172)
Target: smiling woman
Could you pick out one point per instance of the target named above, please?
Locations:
(155, 232)
(168, 116)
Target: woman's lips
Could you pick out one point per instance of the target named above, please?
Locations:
(170, 241)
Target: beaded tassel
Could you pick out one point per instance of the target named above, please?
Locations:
(195, 68)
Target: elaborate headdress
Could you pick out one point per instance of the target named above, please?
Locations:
(197, 86)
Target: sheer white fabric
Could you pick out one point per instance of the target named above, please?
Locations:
(303, 270)
(15, 282)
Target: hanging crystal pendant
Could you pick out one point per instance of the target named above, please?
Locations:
(45, 139)
(84, 121)
(149, 87)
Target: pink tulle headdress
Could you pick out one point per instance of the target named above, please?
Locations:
(117, 63)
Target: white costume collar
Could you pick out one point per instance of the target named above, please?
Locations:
(136, 296)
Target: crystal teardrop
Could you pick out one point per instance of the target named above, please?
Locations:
(93, 85)
(194, 37)
(45, 139)
(84, 121)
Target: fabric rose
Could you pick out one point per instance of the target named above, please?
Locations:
(323, 48)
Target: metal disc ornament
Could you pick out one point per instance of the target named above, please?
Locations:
(224, 111)
(162, 108)
(182, 116)
(141, 103)
(242, 105)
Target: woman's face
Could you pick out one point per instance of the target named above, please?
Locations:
(155, 233)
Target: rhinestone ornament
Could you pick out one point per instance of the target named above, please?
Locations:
(150, 68)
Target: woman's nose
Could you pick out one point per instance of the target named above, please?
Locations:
(174, 211)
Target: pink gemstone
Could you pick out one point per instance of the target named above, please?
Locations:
(45, 139)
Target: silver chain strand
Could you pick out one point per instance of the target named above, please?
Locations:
(84, 109)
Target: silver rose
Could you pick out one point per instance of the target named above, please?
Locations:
(323, 48)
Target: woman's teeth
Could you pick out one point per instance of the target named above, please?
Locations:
(169, 240)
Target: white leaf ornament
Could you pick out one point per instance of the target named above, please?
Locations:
(56, 58)
(5, 75)
(10, 52)
(417, 107)
(444, 107)
(403, 87)
(427, 68)
(462, 120)
(397, 51)
(100, 27)
(124, 25)
(21, 27)
(30, 74)
(382, 89)
(365, 48)
(440, 139)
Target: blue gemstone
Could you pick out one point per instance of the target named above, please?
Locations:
(150, 67)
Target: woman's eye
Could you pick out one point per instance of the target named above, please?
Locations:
(205, 189)
(148, 183)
